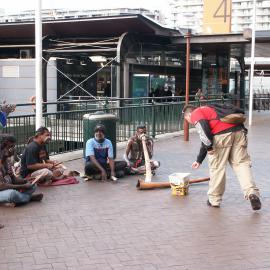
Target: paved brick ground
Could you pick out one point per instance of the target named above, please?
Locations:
(113, 226)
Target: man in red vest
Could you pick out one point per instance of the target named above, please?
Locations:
(223, 143)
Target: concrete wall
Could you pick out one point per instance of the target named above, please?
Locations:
(17, 82)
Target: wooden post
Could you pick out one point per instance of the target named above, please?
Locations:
(186, 125)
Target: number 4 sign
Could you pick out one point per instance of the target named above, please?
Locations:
(217, 16)
(222, 8)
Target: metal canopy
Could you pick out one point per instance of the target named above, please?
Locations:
(96, 26)
(239, 45)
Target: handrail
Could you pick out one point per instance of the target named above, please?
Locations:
(100, 109)
(106, 99)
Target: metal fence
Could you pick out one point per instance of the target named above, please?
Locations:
(67, 126)
(261, 102)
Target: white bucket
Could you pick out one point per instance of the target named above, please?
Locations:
(179, 178)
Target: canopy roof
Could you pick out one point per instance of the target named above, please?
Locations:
(95, 27)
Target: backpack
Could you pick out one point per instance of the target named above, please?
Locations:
(228, 113)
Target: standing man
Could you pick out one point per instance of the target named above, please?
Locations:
(13, 190)
(6, 109)
(99, 157)
(35, 159)
(223, 143)
(134, 155)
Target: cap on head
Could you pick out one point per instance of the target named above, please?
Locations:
(100, 127)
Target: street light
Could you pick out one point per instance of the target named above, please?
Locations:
(252, 64)
(38, 63)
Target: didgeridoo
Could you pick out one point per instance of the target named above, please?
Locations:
(148, 175)
(142, 185)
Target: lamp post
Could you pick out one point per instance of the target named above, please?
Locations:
(38, 63)
(186, 125)
(252, 64)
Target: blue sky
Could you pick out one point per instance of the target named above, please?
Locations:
(15, 6)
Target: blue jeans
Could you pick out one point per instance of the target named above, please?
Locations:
(14, 196)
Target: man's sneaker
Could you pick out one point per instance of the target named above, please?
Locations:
(211, 205)
(114, 179)
(87, 177)
(255, 202)
(36, 197)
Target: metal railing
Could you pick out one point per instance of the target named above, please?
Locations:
(101, 103)
(261, 102)
(67, 126)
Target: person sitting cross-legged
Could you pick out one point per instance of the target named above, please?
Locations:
(13, 190)
(134, 154)
(100, 163)
(5, 110)
(35, 159)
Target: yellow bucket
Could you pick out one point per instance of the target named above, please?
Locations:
(179, 190)
(179, 183)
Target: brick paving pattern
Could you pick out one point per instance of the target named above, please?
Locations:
(103, 226)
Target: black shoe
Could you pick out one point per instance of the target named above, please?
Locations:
(119, 174)
(209, 204)
(36, 197)
(255, 202)
(19, 204)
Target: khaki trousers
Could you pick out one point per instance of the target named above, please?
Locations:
(230, 147)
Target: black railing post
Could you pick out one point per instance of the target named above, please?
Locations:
(153, 120)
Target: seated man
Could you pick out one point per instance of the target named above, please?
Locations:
(13, 190)
(99, 157)
(35, 159)
(5, 110)
(134, 155)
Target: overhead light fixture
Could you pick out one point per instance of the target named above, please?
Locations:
(98, 58)
(69, 62)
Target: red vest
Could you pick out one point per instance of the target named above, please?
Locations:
(207, 113)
